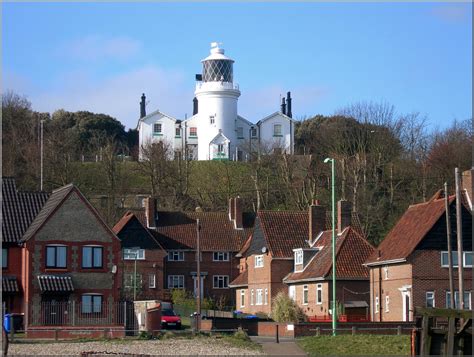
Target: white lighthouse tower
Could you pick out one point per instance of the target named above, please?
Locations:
(217, 97)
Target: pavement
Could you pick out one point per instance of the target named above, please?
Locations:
(286, 347)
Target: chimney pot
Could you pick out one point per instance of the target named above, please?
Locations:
(231, 209)
(283, 105)
(288, 105)
(143, 106)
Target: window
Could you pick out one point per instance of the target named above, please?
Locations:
(387, 303)
(467, 259)
(259, 261)
(467, 300)
(91, 304)
(242, 298)
(259, 300)
(91, 257)
(175, 256)
(175, 281)
(277, 130)
(319, 294)
(292, 292)
(299, 256)
(157, 128)
(56, 256)
(220, 256)
(376, 304)
(253, 132)
(132, 254)
(193, 131)
(221, 281)
(251, 297)
(212, 119)
(266, 297)
(220, 148)
(305, 295)
(177, 132)
(430, 299)
(385, 270)
(240, 132)
(152, 281)
(4, 257)
(129, 281)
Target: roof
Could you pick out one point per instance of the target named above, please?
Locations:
(55, 283)
(177, 230)
(9, 284)
(127, 218)
(240, 280)
(55, 200)
(18, 209)
(410, 230)
(273, 115)
(352, 249)
(287, 230)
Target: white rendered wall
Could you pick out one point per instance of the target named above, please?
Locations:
(146, 135)
(268, 141)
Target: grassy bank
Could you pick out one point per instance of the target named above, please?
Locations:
(346, 345)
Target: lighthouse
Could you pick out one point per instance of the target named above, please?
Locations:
(216, 131)
(217, 97)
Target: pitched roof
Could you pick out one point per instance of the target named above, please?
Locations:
(352, 249)
(288, 230)
(55, 200)
(18, 209)
(128, 217)
(410, 230)
(177, 230)
(240, 280)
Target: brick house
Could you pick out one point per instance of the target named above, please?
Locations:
(310, 282)
(69, 264)
(268, 257)
(409, 268)
(141, 252)
(222, 235)
(18, 211)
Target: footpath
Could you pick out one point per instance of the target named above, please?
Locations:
(286, 347)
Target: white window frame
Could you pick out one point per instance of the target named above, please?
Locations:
(319, 288)
(265, 298)
(277, 133)
(455, 256)
(385, 270)
(387, 303)
(158, 126)
(242, 297)
(129, 254)
(224, 279)
(292, 292)
(251, 297)
(177, 132)
(220, 256)
(175, 256)
(430, 295)
(259, 297)
(152, 281)
(172, 279)
(376, 304)
(456, 299)
(259, 261)
(305, 296)
(298, 256)
(191, 129)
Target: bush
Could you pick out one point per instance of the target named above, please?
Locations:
(167, 335)
(285, 309)
(144, 335)
(240, 334)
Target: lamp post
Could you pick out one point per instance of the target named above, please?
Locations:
(250, 143)
(333, 209)
(135, 251)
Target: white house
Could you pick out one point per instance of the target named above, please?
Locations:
(216, 131)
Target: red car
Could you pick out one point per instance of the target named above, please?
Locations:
(169, 319)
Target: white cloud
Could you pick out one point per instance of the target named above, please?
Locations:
(97, 47)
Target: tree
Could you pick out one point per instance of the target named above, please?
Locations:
(284, 309)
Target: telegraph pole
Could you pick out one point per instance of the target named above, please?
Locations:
(41, 154)
(198, 259)
(459, 238)
(448, 237)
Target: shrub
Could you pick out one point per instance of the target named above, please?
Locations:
(144, 335)
(240, 334)
(285, 309)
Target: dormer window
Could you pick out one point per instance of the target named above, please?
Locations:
(259, 261)
(298, 256)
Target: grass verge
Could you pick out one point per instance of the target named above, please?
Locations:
(348, 345)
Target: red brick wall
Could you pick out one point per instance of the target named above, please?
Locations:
(68, 332)
(14, 301)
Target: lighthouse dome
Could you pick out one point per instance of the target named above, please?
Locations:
(217, 67)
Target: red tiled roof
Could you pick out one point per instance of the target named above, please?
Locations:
(241, 280)
(122, 222)
(410, 230)
(18, 209)
(177, 230)
(352, 249)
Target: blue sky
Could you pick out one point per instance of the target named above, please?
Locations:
(102, 56)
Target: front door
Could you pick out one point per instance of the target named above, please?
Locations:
(406, 305)
(55, 310)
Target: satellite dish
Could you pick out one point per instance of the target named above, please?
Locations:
(114, 269)
(264, 249)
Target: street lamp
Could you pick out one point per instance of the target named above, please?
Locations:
(135, 251)
(250, 143)
(333, 209)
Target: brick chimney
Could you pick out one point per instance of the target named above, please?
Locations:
(143, 106)
(344, 215)
(231, 209)
(150, 212)
(317, 219)
(467, 183)
(238, 220)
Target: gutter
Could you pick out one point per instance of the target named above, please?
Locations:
(384, 262)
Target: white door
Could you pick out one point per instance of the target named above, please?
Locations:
(406, 305)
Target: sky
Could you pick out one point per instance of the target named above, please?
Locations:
(101, 57)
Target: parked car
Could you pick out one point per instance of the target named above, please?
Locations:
(169, 319)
